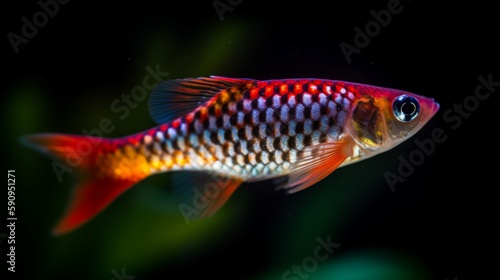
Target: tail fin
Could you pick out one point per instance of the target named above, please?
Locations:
(94, 191)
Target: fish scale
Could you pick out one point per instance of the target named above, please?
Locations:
(256, 131)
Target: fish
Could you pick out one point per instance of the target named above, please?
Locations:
(215, 133)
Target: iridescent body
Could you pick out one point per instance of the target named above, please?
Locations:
(246, 131)
(252, 130)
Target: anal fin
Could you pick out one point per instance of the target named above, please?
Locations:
(201, 194)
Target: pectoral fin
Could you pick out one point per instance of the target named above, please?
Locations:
(316, 162)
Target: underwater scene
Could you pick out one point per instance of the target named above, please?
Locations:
(231, 139)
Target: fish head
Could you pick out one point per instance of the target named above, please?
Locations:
(382, 118)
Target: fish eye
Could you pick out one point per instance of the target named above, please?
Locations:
(405, 108)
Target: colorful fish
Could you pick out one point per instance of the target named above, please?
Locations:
(228, 131)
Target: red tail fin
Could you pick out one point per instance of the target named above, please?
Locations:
(94, 191)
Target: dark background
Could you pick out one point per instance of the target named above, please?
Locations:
(437, 224)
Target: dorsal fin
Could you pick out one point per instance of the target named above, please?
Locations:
(175, 98)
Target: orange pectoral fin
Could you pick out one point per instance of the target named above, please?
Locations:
(315, 163)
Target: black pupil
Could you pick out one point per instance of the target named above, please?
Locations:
(408, 108)
(405, 108)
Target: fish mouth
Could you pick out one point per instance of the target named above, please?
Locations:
(435, 107)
